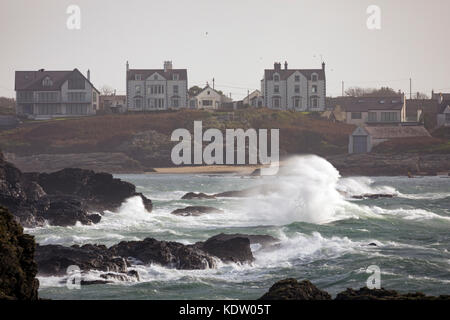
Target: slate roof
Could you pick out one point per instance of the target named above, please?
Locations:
(392, 132)
(168, 74)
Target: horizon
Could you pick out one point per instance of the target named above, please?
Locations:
(212, 47)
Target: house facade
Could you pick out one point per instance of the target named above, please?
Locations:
(209, 99)
(294, 89)
(156, 89)
(49, 94)
(254, 99)
(375, 110)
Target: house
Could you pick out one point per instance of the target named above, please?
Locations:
(113, 103)
(294, 89)
(443, 116)
(422, 111)
(156, 89)
(46, 94)
(364, 138)
(375, 110)
(209, 99)
(254, 99)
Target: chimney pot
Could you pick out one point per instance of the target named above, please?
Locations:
(89, 75)
(285, 65)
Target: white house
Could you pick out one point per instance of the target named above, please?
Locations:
(254, 99)
(363, 139)
(46, 94)
(294, 89)
(156, 89)
(209, 99)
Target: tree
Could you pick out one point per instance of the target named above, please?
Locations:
(107, 91)
(421, 95)
(362, 92)
(193, 91)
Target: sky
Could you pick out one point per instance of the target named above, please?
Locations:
(232, 41)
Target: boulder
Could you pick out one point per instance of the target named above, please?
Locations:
(383, 294)
(170, 254)
(200, 195)
(17, 267)
(195, 211)
(228, 248)
(291, 289)
(249, 192)
(55, 259)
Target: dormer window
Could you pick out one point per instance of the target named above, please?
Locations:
(314, 89)
(314, 77)
(155, 77)
(297, 78)
(138, 77)
(175, 77)
(276, 78)
(47, 82)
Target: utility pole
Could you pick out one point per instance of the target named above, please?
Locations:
(410, 89)
(213, 83)
(342, 88)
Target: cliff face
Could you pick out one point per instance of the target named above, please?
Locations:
(17, 266)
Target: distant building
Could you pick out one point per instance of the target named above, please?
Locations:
(375, 110)
(113, 103)
(363, 139)
(47, 94)
(443, 116)
(254, 99)
(208, 99)
(156, 89)
(294, 89)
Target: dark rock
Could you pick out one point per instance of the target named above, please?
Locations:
(170, 254)
(383, 294)
(249, 192)
(291, 289)
(195, 211)
(55, 259)
(17, 267)
(372, 244)
(373, 196)
(148, 205)
(93, 282)
(228, 248)
(200, 195)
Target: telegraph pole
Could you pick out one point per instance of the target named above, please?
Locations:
(342, 88)
(410, 89)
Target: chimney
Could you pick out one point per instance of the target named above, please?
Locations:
(441, 98)
(128, 66)
(167, 65)
(323, 66)
(285, 65)
(277, 66)
(89, 75)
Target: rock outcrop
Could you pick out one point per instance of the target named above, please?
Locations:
(63, 197)
(17, 267)
(291, 289)
(228, 248)
(195, 211)
(200, 195)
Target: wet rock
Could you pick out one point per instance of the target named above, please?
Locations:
(200, 195)
(373, 196)
(195, 211)
(17, 267)
(372, 244)
(228, 248)
(170, 254)
(383, 294)
(249, 192)
(55, 259)
(291, 289)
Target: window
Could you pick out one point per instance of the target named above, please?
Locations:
(138, 103)
(76, 108)
(138, 90)
(373, 117)
(25, 96)
(314, 102)
(94, 96)
(276, 102)
(47, 96)
(138, 77)
(314, 77)
(49, 109)
(47, 82)
(276, 78)
(389, 116)
(155, 77)
(76, 96)
(207, 102)
(297, 102)
(314, 89)
(76, 84)
(175, 103)
(297, 78)
(175, 89)
(276, 89)
(356, 115)
(175, 77)
(297, 89)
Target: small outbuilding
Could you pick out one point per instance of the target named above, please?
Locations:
(363, 139)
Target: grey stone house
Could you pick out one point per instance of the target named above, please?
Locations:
(46, 94)
(156, 89)
(294, 89)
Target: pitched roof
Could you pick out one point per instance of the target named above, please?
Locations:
(365, 104)
(443, 106)
(167, 74)
(32, 80)
(392, 132)
(286, 73)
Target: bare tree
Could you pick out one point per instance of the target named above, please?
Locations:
(361, 92)
(107, 90)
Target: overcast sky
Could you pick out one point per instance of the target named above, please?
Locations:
(231, 40)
